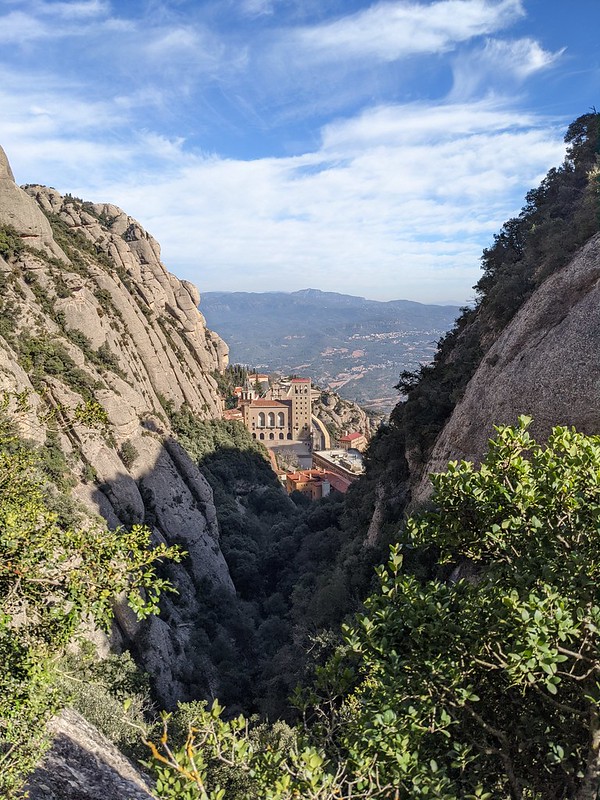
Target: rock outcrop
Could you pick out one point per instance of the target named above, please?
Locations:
(82, 763)
(95, 334)
(544, 364)
(343, 416)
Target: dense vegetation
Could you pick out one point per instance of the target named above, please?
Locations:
(557, 218)
(299, 569)
(483, 686)
(52, 576)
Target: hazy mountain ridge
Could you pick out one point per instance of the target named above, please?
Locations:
(357, 347)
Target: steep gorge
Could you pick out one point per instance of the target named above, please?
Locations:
(528, 347)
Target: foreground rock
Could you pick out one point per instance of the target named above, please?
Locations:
(82, 764)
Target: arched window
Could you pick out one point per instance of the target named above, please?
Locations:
(289, 436)
(271, 419)
(271, 436)
(254, 436)
(281, 435)
(261, 419)
(280, 419)
(261, 436)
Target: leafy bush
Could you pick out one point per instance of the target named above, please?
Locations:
(483, 686)
(50, 577)
(43, 356)
(11, 244)
(128, 453)
(111, 693)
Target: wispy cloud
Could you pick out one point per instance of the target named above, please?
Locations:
(38, 21)
(257, 8)
(499, 63)
(392, 30)
(411, 208)
(382, 195)
(72, 10)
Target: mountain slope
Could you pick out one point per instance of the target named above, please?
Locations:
(544, 364)
(355, 346)
(559, 217)
(96, 338)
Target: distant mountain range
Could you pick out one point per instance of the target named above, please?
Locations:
(356, 346)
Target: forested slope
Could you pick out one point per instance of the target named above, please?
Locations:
(558, 218)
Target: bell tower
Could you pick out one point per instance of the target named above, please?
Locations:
(300, 395)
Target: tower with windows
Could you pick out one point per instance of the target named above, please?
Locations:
(300, 396)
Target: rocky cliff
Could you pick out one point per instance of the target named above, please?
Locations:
(343, 416)
(97, 340)
(84, 764)
(544, 364)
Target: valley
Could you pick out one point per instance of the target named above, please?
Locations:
(353, 346)
(432, 631)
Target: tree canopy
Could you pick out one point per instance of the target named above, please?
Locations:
(482, 682)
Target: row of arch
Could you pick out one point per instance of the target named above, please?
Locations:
(271, 436)
(268, 420)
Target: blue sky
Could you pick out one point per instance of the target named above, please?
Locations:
(364, 147)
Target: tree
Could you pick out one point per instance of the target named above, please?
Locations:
(488, 685)
(481, 683)
(51, 577)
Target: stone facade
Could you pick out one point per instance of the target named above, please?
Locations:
(283, 415)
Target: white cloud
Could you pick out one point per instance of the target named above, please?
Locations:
(172, 42)
(395, 200)
(499, 62)
(392, 30)
(42, 21)
(421, 122)
(18, 27)
(404, 217)
(73, 10)
(256, 8)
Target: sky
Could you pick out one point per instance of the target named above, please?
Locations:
(370, 148)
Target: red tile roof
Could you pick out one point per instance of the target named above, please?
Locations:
(350, 437)
(338, 483)
(300, 380)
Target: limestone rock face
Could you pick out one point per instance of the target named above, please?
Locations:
(83, 764)
(16, 210)
(545, 364)
(342, 416)
(98, 335)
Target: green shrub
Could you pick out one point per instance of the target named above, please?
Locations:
(51, 576)
(128, 453)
